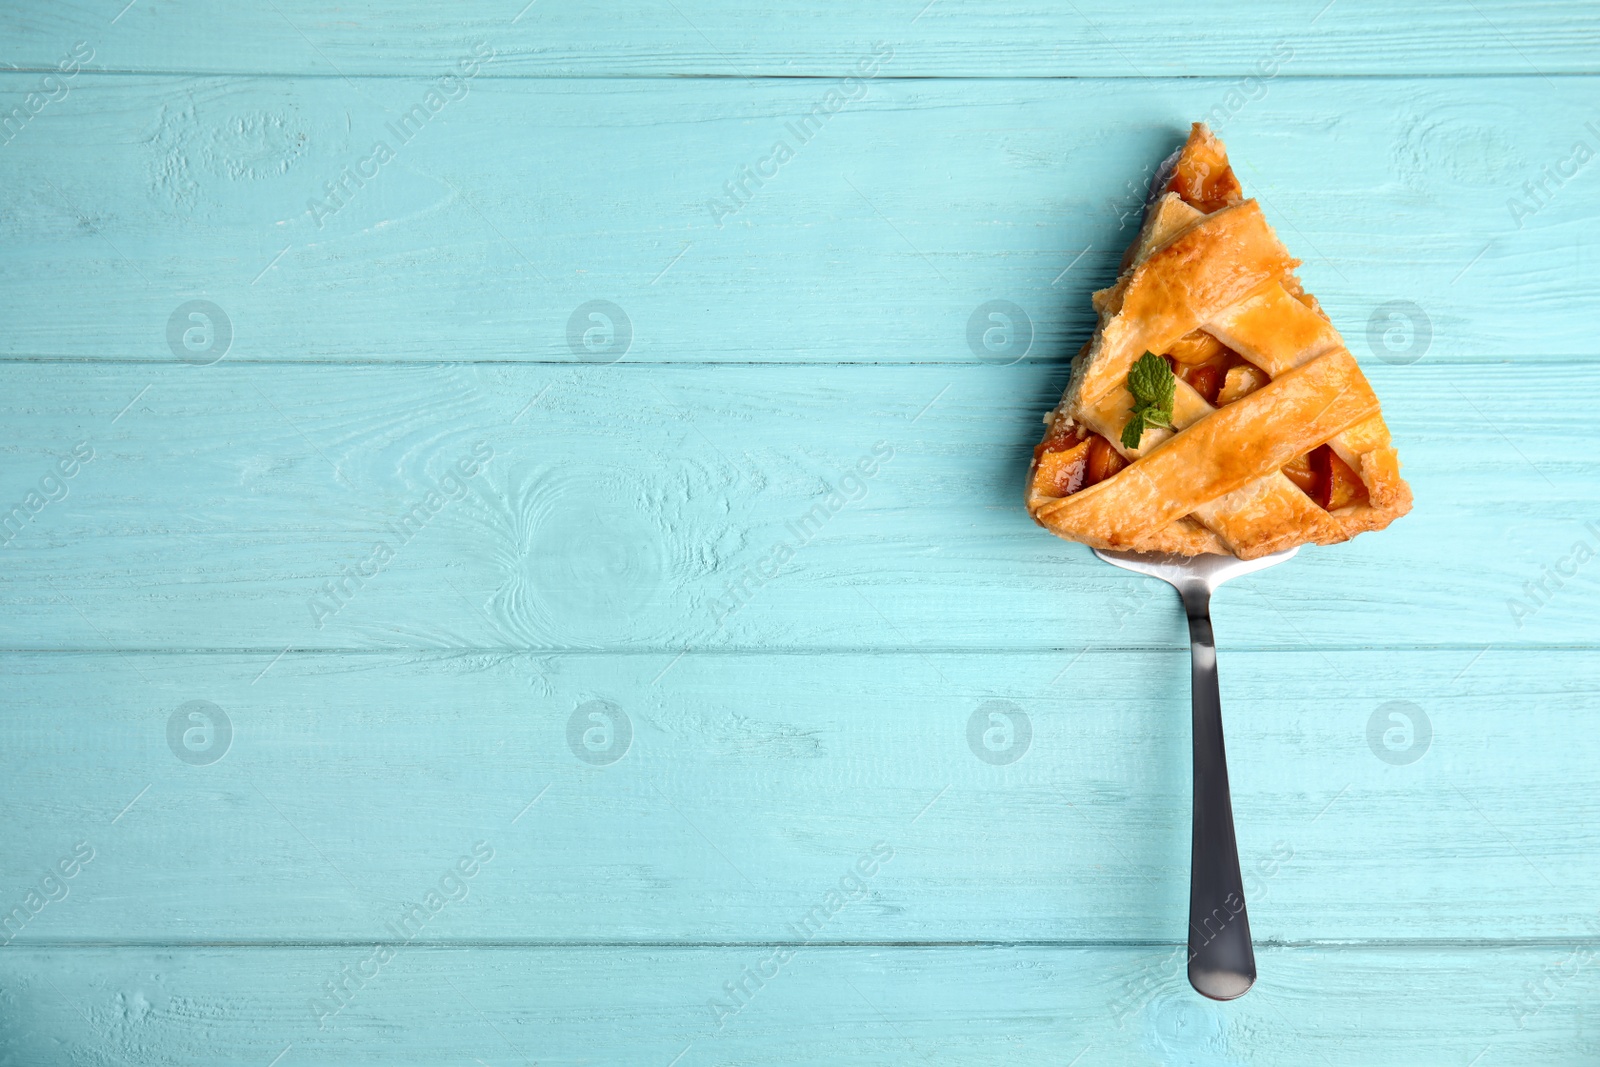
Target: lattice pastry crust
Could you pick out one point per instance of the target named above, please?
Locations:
(1276, 436)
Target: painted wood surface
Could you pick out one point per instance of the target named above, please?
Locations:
(850, 1005)
(654, 509)
(894, 221)
(543, 751)
(939, 38)
(726, 793)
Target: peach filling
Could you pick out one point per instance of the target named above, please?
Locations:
(1327, 479)
(1212, 369)
(1068, 463)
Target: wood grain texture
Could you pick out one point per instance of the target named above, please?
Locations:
(741, 789)
(383, 716)
(989, 1006)
(675, 507)
(949, 38)
(878, 241)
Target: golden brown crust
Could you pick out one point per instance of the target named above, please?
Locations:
(1203, 270)
(1207, 266)
(1223, 452)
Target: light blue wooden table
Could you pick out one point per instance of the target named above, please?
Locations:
(410, 660)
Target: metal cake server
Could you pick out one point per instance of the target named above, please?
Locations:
(1222, 963)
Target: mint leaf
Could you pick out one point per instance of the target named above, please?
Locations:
(1152, 382)
(1153, 386)
(1133, 430)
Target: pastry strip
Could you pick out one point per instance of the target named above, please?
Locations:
(1223, 452)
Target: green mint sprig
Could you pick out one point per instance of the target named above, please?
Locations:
(1152, 384)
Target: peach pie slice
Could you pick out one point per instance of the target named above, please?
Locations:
(1215, 409)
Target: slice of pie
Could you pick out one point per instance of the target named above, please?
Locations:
(1252, 429)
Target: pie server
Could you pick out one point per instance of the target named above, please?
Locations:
(1222, 963)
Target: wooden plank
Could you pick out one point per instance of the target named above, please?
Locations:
(540, 745)
(950, 37)
(846, 1006)
(670, 507)
(718, 798)
(894, 224)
